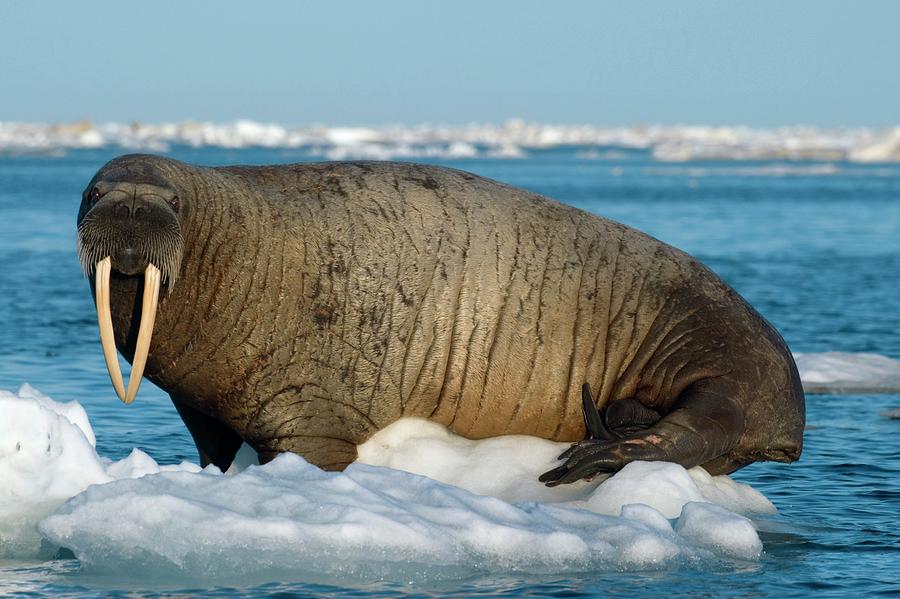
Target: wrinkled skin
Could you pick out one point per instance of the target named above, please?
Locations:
(315, 304)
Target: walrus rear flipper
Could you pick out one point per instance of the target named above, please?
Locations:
(594, 426)
(703, 426)
(620, 418)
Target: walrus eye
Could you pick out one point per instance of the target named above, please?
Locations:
(175, 203)
(95, 195)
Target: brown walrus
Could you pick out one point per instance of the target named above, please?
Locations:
(304, 307)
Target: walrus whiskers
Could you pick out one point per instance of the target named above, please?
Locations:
(164, 249)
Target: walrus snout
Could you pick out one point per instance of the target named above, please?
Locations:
(133, 225)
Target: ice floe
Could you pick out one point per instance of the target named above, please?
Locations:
(47, 455)
(843, 372)
(512, 139)
(290, 519)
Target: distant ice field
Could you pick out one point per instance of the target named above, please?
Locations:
(512, 139)
(812, 242)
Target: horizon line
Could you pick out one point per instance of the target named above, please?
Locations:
(506, 122)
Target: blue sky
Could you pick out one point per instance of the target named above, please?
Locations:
(756, 63)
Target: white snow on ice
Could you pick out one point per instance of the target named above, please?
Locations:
(47, 455)
(842, 372)
(472, 507)
(511, 139)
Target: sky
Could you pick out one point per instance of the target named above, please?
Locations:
(759, 63)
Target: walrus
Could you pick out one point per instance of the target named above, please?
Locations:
(301, 308)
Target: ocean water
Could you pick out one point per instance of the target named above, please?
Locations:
(814, 246)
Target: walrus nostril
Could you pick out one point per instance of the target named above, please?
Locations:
(123, 210)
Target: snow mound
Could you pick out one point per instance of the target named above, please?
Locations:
(508, 468)
(47, 455)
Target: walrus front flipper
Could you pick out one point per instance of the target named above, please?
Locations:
(703, 426)
(328, 453)
(216, 443)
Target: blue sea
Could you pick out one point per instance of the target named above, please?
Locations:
(814, 246)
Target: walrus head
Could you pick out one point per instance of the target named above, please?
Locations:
(130, 223)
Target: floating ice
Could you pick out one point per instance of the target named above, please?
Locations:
(841, 372)
(711, 526)
(288, 519)
(47, 455)
(507, 140)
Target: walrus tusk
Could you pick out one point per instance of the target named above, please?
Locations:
(148, 318)
(145, 332)
(104, 319)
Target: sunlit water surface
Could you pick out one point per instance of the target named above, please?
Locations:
(815, 250)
